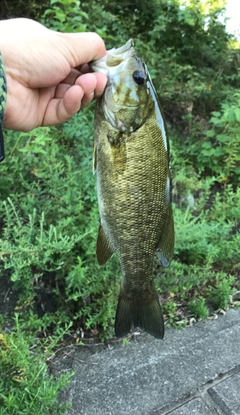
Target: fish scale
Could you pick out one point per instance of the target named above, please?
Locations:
(134, 187)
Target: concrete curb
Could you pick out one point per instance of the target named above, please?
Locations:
(195, 370)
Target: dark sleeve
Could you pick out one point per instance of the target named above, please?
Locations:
(3, 96)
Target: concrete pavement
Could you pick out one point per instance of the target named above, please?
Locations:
(193, 371)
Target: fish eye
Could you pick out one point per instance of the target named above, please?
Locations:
(139, 77)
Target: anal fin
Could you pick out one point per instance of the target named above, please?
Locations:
(165, 246)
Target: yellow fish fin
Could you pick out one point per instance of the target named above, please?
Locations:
(118, 147)
(104, 248)
(165, 246)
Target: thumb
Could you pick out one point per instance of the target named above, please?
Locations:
(80, 48)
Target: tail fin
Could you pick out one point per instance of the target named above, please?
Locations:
(139, 313)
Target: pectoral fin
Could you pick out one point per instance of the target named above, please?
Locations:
(104, 249)
(165, 247)
(118, 147)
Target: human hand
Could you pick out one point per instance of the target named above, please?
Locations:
(47, 79)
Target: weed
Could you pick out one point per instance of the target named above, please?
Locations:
(198, 307)
(221, 294)
(25, 385)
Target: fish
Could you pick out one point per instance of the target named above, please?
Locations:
(134, 186)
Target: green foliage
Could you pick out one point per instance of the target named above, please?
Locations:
(22, 8)
(193, 63)
(198, 307)
(48, 207)
(49, 210)
(72, 16)
(125, 342)
(66, 16)
(221, 295)
(48, 232)
(207, 247)
(222, 143)
(170, 309)
(25, 384)
(219, 143)
(51, 221)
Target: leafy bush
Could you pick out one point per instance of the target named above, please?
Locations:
(49, 210)
(221, 144)
(221, 295)
(198, 307)
(65, 16)
(51, 221)
(25, 384)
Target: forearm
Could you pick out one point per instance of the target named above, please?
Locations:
(3, 97)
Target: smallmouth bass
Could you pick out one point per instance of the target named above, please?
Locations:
(132, 162)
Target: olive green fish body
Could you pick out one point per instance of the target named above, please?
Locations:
(134, 196)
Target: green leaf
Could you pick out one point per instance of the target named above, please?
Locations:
(237, 114)
(206, 144)
(210, 133)
(223, 138)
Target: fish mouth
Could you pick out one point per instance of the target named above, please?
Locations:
(122, 50)
(114, 57)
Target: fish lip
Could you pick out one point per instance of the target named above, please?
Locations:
(102, 65)
(122, 49)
